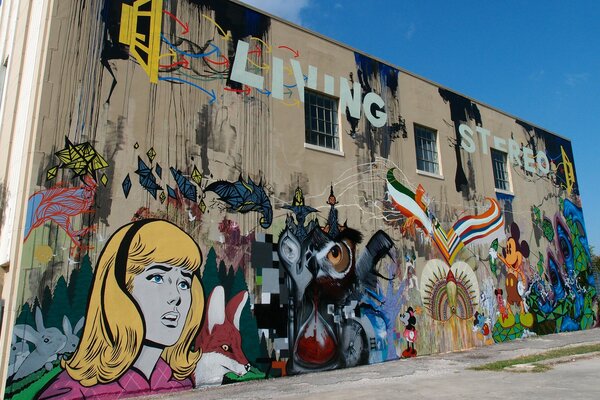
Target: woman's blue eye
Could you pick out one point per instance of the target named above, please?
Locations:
(156, 278)
(183, 285)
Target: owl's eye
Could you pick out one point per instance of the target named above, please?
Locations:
(339, 256)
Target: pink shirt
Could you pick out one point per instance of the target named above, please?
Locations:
(132, 383)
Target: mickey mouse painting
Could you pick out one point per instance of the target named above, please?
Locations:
(410, 332)
(513, 256)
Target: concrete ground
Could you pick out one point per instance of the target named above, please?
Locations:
(444, 376)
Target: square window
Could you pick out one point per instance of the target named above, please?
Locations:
(427, 153)
(321, 116)
(499, 165)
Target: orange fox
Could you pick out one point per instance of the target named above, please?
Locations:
(220, 339)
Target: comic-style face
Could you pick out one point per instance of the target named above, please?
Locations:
(513, 256)
(163, 294)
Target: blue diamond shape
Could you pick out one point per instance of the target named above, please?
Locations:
(126, 185)
(159, 171)
(171, 192)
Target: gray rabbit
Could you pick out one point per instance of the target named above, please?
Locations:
(71, 334)
(48, 343)
(19, 350)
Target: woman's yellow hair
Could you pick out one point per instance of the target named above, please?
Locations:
(114, 330)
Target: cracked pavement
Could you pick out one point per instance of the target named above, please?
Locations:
(441, 376)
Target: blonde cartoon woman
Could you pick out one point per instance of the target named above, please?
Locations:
(145, 308)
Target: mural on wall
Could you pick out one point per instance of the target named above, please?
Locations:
(145, 305)
(167, 248)
(61, 203)
(474, 229)
(333, 322)
(184, 191)
(447, 289)
(562, 298)
(169, 50)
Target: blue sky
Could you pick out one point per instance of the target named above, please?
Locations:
(537, 60)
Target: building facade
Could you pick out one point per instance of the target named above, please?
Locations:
(196, 193)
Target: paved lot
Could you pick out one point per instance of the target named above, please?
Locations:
(437, 377)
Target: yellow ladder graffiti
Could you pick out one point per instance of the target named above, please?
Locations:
(140, 29)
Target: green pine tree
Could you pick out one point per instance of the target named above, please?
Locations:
(59, 307)
(225, 278)
(26, 316)
(264, 350)
(79, 288)
(210, 276)
(46, 303)
(239, 282)
(248, 326)
(229, 284)
(72, 282)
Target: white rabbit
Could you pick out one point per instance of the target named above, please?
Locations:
(48, 343)
(18, 353)
(71, 334)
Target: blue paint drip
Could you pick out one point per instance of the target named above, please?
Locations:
(192, 55)
(293, 86)
(267, 92)
(211, 94)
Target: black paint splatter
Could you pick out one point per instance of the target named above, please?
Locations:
(241, 21)
(461, 110)
(369, 71)
(203, 131)
(112, 49)
(553, 146)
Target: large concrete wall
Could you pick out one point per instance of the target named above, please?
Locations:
(180, 233)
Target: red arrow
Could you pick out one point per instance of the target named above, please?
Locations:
(226, 62)
(246, 90)
(258, 51)
(183, 62)
(296, 52)
(186, 26)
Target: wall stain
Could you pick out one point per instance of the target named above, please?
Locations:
(553, 145)
(462, 110)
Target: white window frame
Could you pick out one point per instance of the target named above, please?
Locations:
(507, 175)
(319, 129)
(437, 161)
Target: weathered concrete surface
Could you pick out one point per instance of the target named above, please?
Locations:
(443, 376)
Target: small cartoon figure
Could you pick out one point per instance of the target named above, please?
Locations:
(507, 318)
(513, 257)
(410, 332)
(500, 300)
(482, 326)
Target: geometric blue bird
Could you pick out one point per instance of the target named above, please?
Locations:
(188, 190)
(147, 178)
(243, 197)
